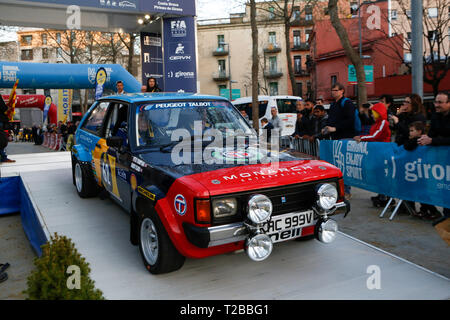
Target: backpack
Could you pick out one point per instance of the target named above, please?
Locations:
(357, 122)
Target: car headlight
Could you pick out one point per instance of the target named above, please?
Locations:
(327, 196)
(259, 208)
(224, 207)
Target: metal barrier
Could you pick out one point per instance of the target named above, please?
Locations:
(301, 145)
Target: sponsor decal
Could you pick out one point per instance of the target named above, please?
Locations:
(249, 154)
(146, 193)
(178, 28)
(179, 52)
(180, 204)
(215, 181)
(122, 174)
(268, 173)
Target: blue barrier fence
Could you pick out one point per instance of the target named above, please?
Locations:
(422, 175)
(14, 198)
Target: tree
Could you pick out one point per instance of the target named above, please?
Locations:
(350, 52)
(284, 10)
(255, 66)
(51, 279)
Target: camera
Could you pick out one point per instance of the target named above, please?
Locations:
(366, 105)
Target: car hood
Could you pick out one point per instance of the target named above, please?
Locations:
(220, 178)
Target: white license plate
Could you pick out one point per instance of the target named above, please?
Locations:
(288, 226)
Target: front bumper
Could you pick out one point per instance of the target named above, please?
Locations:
(234, 232)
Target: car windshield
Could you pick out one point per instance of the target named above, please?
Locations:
(157, 122)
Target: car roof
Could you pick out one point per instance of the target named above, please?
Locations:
(160, 96)
(262, 98)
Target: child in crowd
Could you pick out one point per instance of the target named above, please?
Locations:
(379, 132)
(266, 125)
(416, 130)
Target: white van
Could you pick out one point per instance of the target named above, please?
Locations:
(286, 105)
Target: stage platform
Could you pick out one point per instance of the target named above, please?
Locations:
(295, 270)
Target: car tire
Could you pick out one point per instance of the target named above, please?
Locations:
(84, 181)
(157, 250)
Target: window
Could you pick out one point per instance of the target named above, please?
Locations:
(117, 122)
(44, 39)
(433, 35)
(409, 36)
(297, 39)
(299, 86)
(59, 53)
(296, 13)
(354, 8)
(58, 37)
(408, 13)
(393, 14)
(297, 64)
(271, 13)
(333, 80)
(27, 54)
(220, 41)
(273, 88)
(433, 12)
(308, 13)
(222, 69)
(44, 53)
(222, 87)
(408, 57)
(307, 34)
(308, 87)
(95, 120)
(273, 38)
(272, 64)
(26, 40)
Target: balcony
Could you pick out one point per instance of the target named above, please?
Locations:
(301, 73)
(221, 76)
(303, 46)
(302, 22)
(273, 74)
(220, 51)
(272, 48)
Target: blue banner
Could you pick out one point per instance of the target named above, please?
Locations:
(176, 7)
(421, 175)
(100, 80)
(180, 68)
(152, 59)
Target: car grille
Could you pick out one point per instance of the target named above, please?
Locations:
(285, 199)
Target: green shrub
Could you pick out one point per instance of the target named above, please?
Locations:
(49, 280)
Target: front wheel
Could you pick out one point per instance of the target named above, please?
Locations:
(157, 250)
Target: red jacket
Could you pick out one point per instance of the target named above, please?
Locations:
(379, 131)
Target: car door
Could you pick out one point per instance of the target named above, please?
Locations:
(116, 161)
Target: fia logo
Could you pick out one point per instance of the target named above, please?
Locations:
(178, 28)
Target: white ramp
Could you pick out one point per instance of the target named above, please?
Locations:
(295, 270)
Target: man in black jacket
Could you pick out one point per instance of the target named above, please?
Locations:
(3, 126)
(341, 120)
(341, 115)
(439, 134)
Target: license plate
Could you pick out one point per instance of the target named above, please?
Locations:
(287, 226)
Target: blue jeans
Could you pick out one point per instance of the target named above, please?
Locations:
(3, 155)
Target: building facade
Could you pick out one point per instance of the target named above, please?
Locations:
(227, 42)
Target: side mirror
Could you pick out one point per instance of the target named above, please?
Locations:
(114, 142)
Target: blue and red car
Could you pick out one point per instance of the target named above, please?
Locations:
(190, 172)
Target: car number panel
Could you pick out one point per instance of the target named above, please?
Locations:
(288, 226)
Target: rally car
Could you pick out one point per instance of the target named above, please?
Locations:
(195, 180)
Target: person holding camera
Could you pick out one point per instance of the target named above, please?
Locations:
(366, 118)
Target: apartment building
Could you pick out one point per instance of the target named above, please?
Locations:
(227, 43)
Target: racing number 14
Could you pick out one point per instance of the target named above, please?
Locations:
(109, 173)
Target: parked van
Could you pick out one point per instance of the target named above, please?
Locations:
(286, 105)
